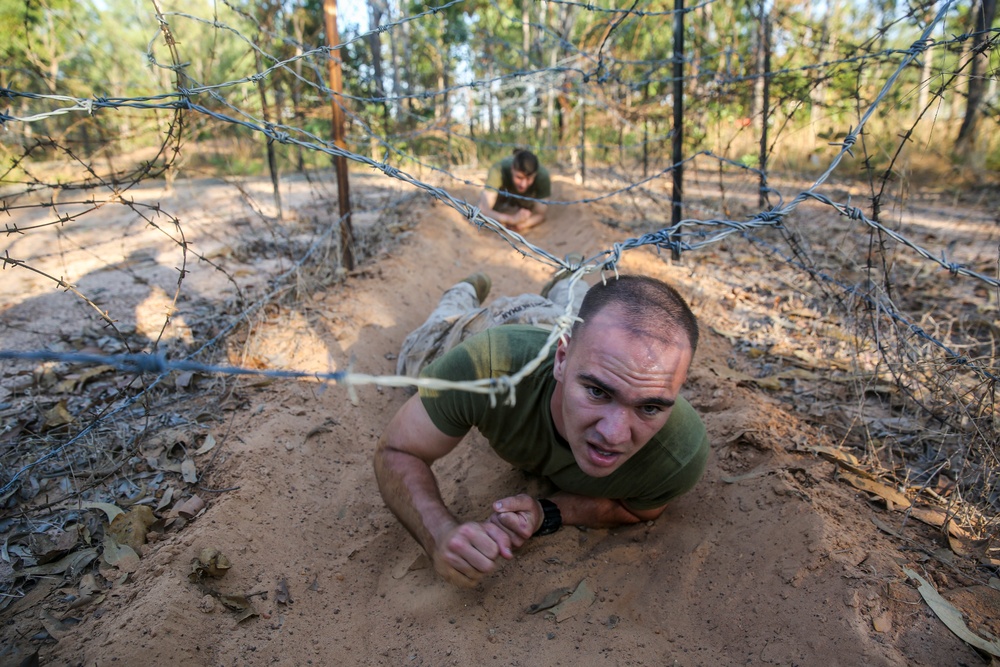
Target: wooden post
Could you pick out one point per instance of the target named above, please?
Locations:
(678, 143)
(583, 135)
(339, 161)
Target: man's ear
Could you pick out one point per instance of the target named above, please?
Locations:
(559, 363)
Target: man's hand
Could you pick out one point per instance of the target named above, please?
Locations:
(518, 222)
(469, 551)
(519, 516)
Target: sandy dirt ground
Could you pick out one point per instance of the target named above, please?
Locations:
(771, 560)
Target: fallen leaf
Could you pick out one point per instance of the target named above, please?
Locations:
(884, 527)
(188, 471)
(46, 547)
(121, 556)
(56, 416)
(168, 495)
(420, 562)
(210, 562)
(550, 600)
(76, 381)
(316, 430)
(183, 379)
(967, 546)
(207, 445)
(576, 603)
(831, 454)
(131, 527)
(281, 594)
(239, 604)
(88, 585)
(960, 541)
(887, 493)
(950, 616)
(111, 510)
(70, 564)
(56, 628)
(190, 508)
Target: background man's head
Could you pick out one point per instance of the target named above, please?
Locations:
(523, 170)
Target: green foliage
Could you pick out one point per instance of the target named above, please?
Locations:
(542, 74)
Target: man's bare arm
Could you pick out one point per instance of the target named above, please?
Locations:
(461, 552)
(521, 515)
(599, 512)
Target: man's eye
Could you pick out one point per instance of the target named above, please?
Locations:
(596, 392)
(651, 410)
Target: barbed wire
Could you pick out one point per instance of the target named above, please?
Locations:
(688, 235)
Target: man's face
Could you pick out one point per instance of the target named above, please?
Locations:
(522, 181)
(614, 391)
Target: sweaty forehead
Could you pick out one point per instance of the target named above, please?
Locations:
(611, 347)
(650, 330)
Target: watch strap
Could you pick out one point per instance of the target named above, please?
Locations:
(551, 518)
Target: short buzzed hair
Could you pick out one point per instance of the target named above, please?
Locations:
(648, 307)
(525, 162)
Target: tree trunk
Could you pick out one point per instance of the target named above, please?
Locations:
(298, 28)
(272, 158)
(927, 71)
(377, 10)
(965, 143)
(396, 66)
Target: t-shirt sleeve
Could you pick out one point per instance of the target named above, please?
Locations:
(543, 184)
(494, 178)
(679, 484)
(455, 412)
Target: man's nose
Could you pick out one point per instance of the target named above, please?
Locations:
(614, 426)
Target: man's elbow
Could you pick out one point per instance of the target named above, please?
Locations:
(639, 516)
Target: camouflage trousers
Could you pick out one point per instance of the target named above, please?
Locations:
(460, 315)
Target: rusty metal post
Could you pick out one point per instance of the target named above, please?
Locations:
(765, 73)
(339, 161)
(677, 197)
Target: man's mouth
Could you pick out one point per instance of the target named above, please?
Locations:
(602, 457)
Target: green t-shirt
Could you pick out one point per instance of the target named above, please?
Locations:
(501, 177)
(524, 434)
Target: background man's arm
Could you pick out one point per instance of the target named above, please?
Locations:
(487, 200)
(536, 217)
(461, 552)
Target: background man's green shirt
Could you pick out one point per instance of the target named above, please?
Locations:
(501, 177)
(524, 434)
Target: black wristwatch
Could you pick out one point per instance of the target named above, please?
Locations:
(552, 518)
